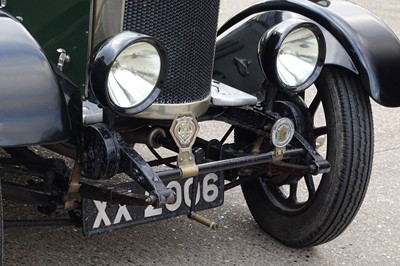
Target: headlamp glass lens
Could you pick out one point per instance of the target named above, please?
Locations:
(297, 57)
(134, 75)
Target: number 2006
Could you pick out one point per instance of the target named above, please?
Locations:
(207, 190)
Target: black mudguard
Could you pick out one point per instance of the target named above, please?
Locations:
(33, 108)
(356, 40)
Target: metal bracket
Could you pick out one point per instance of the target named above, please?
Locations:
(184, 131)
(138, 169)
(281, 134)
(319, 164)
(62, 59)
(91, 113)
(242, 66)
(278, 154)
(113, 195)
(72, 196)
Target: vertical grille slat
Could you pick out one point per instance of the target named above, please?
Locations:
(188, 30)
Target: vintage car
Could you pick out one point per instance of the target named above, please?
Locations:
(84, 83)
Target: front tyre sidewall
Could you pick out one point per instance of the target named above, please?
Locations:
(340, 193)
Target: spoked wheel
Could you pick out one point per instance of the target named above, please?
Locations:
(316, 209)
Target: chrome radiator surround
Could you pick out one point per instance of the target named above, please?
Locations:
(188, 31)
(106, 21)
(162, 111)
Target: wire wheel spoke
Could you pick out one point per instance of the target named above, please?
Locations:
(320, 131)
(314, 104)
(310, 184)
(293, 194)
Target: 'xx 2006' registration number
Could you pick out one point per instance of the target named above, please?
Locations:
(101, 217)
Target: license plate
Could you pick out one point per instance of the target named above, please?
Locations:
(99, 217)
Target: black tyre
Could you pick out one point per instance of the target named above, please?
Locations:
(317, 209)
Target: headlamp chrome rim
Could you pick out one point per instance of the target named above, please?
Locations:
(271, 43)
(101, 63)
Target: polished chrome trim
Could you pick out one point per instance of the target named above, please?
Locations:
(3, 3)
(90, 30)
(89, 33)
(169, 111)
(108, 18)
(103, 14)
(225, 95)
(91, 113)
(63, 58)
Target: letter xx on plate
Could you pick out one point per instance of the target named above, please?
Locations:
(101, 217)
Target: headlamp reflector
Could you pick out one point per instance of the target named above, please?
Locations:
(297, 57)
(134, 74)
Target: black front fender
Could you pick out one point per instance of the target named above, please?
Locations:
(373, 50)
(33, 108)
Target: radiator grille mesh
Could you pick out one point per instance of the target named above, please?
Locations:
(187, 28)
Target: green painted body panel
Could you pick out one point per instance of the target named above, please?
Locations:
(58, 24)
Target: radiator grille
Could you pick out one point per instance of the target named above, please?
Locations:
(187, 28)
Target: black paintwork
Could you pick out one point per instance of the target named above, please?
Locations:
(107, 154)
(240, 46)
(270, 45)
(101, 62)
(373, 48)
(33, 108)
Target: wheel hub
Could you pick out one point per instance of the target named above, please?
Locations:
(293, 118)
(282, 132)
(301, 119)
